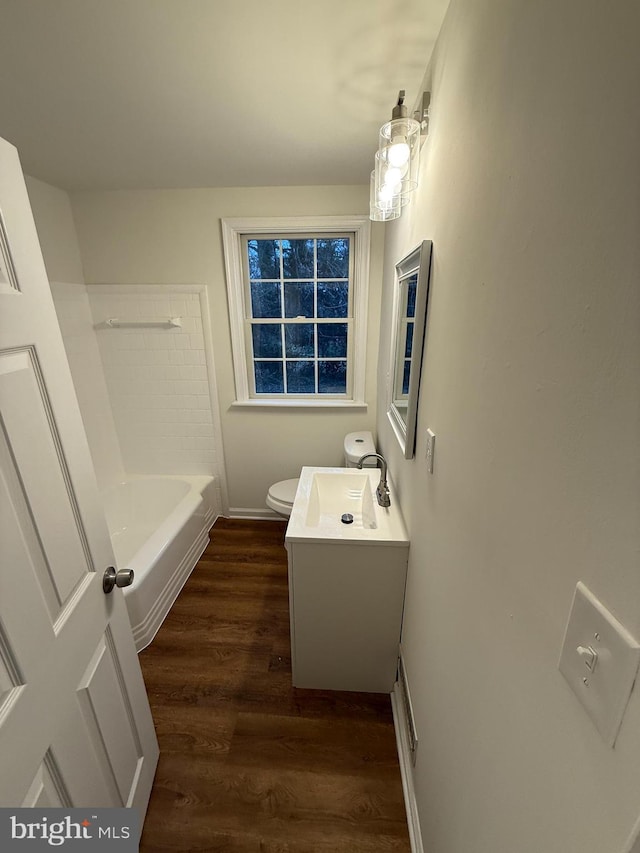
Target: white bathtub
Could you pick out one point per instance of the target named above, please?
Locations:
(159, 528)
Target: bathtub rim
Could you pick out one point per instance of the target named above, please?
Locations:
(198, 483)
(149, 603)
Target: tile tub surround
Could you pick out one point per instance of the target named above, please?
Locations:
(161, 381)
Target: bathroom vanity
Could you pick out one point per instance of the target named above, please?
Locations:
(346, 581)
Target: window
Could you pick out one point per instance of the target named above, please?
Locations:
(298, 300)
(406, 321)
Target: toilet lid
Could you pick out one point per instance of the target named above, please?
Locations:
(284, 491)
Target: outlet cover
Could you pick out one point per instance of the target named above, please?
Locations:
(600, 661)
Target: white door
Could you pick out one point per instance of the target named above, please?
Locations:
(75, 723)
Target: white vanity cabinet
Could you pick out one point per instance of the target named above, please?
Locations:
(346, 604)
(347, 572)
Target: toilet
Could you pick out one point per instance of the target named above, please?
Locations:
(281, 495)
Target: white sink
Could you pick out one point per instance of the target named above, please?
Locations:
(339, 504)
(347, 495)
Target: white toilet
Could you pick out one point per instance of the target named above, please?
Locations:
(281, 495)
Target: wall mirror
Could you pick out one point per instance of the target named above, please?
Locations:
(407, 343)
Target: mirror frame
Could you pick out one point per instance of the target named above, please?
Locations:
(419, 260)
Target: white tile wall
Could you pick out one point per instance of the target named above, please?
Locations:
(157, 379)
(76, 324)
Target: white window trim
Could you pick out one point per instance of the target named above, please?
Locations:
(232, 233)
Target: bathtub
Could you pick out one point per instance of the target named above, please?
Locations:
(159, 528)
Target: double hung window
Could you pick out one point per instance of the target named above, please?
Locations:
(297, 298)
(405, 336)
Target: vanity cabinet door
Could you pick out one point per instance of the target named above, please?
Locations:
(346, 606)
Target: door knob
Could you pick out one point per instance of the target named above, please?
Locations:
(111, 578)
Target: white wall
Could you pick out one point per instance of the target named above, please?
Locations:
(56, 231)
(76, 324)
(59, 243)
(529, 191)
(168, 236)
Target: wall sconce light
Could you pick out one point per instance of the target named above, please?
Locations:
(395, 175)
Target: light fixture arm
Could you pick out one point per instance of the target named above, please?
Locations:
(421, 113)
(400, 109)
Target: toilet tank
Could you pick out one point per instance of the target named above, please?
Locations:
(356, 444)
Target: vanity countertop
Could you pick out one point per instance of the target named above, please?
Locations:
(325, 495)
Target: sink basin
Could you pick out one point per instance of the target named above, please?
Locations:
(327, 495)
(347, 495)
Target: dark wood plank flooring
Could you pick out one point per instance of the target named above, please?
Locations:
(249, 764)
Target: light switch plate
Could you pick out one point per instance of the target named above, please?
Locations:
(600, 661)
(431, 447)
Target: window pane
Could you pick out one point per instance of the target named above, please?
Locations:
(333, 258)
(332, 340)
(412, 284)
(297, 258)
(267, 340)
(405, 377)
(333, 298)
(301, 377)
(269, 378)
(332, 377)
(409, 341)
(265, 299)
(264, 258)
(298, 340)
(298, 299)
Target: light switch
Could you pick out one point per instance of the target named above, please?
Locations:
(431, 446)
(600, 661)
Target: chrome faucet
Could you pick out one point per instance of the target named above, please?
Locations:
(382, 492)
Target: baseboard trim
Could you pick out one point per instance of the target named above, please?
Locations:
(253, 513)
(404, 756)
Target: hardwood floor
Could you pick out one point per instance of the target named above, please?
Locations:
(249, 764)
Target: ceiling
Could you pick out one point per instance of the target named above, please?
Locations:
(131, 94)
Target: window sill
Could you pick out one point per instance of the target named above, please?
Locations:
(299, 404)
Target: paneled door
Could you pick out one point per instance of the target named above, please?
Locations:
(75, 723)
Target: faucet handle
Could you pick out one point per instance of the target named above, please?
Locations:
(383, 495)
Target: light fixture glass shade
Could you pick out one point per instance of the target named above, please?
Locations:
(385, 208)
(389, 180)
(399, 149)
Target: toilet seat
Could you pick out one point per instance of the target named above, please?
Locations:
(281, 495)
